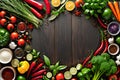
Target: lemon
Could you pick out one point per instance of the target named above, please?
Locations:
(70, 5)
(55, 3)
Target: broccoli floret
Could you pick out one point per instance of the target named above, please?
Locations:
(106, 56)
(102, 64)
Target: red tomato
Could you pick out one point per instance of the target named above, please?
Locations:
(21, 42)
(2, 13)
(60, 76)
(10, 26)
(78, 2)
(21, 26)
(14, 35)
(3, 21)
(13, 19)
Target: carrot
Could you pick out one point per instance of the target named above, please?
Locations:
(110, 4)
(116, 5)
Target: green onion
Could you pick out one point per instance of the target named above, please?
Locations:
(19, 8)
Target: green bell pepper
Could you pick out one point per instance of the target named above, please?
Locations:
(4, 37)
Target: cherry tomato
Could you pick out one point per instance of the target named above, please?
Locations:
(3, 21)
(78, 2)
(60, 76)
(2, 13)
(73, 79)
(30, 26)
(21, 26)
(13, 19)
(10, 26)
(14, 35)
(21, 42)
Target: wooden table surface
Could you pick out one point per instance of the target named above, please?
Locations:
(68, 39)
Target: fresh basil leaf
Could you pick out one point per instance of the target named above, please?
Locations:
(57, 64)
(61, 67)
(47, 60)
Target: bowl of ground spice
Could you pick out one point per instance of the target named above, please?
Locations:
(113, 49)
(7, 73)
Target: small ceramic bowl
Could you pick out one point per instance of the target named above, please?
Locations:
(9, 68)
(5, 55)
(113, 28)
(113, 49)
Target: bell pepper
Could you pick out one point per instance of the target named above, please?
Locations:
(4, 37)
(23, 67)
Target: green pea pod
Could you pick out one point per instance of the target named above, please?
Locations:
(47, 60)
(61, 67)
(52, 67)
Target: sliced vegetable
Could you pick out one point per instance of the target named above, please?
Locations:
(70, 5)
(15, 62)
(73, 70)
(67, 75)
(29, 57)
(49, 75)
(79, 66)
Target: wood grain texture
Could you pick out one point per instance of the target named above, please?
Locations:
(68, 39)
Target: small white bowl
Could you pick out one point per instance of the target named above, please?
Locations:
(116, 47)
(110, 24)
(5, 55)
(14, 72)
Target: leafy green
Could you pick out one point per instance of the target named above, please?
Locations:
(47, 60)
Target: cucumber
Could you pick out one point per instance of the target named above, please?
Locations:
(67, 75)
(29, 56)
(79, 66)
(49, 75)
(15, 63)
(73, 70)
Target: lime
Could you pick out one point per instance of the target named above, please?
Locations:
(118, 40)
(70, 5)
(21, 77)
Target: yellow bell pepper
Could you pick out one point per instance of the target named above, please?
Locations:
(23, 67)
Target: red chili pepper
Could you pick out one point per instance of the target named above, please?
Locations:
(38, 67)
(48, 7)
(118, 70)
(87, 59)
(101, 44)
(36, 13)
(37, 78)
(32, 65)
(40, 72)
(102, 23)
(34, 4)
(106, 46)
